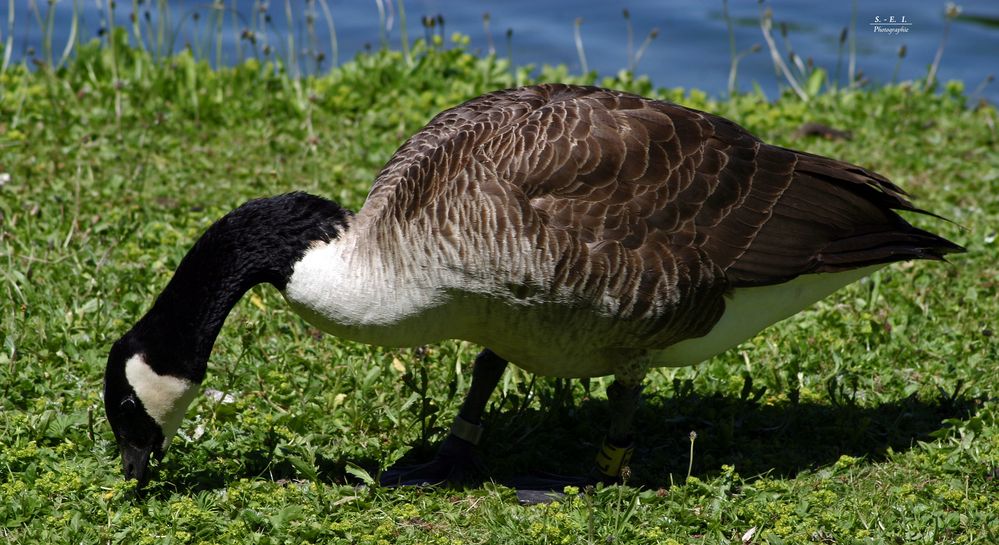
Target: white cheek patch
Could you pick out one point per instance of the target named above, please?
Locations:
(165, 397)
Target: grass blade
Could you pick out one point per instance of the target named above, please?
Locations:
(360, 473)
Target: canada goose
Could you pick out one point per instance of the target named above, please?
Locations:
(574, 231)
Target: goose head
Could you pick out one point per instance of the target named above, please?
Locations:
(144, 403)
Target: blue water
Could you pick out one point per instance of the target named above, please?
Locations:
(692, 48)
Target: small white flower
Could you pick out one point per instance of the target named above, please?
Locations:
(4, 178)
(990, 238)
(218, 396)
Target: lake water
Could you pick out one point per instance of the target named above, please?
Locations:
(691, 50)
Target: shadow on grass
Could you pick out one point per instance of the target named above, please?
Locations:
(757, 439)
(779, 440)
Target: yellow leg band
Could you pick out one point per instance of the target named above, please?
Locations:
(611, 458)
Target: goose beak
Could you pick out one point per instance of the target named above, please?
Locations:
(135, 463)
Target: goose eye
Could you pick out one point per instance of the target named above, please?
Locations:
(128, 403)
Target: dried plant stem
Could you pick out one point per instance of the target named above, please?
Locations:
(579, 45)
(489, 35)
(977, 93)
(291, 58)
(851, 71)
(382, 24)
(114, 67)
(690, 464)
(9, 45)
(404, 34)
(653, 34)
(71, 40)
(731, 47)
(932, 75)
(766, 24)
(631, 40)
(334, 46)
(161, 26)
(898, 63)
(219, 15)
(733, 70)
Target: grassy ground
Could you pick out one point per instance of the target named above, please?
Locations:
(870, 418)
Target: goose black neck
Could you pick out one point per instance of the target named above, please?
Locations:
(256, 243)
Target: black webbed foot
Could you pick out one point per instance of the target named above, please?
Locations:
(542, 487)
(456, 464)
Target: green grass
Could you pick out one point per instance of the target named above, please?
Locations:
(870, 418)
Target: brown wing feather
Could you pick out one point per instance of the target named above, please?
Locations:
(617, 167)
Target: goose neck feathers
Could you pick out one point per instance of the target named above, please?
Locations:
(259, 242)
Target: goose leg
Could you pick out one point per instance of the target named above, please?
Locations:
(614, 454)
(618, 446)
(456, 460)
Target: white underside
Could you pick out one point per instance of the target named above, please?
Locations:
(750, 310)
(352, 298)
(164, 397)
